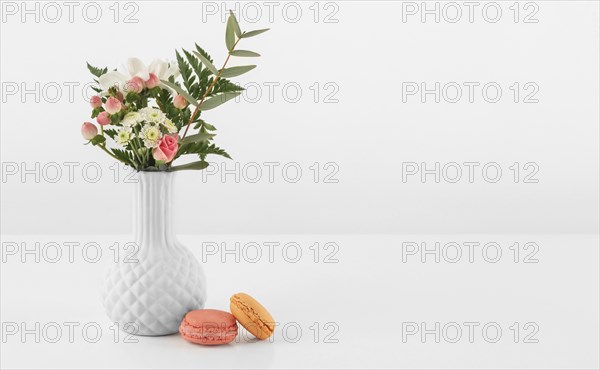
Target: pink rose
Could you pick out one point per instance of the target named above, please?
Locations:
(152, 81)
(179, 102)
(135, 85)
(167, 148)
(96, 101)
(113, 105)
(89, 130)
(103, 118)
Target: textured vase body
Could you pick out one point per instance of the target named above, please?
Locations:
(149, 292)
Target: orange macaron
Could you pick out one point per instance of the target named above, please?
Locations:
(252, 315)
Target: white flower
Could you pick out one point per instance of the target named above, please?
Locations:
(131, 119)
(152, 115)
(136, 68)
(151, 136)
(170, 126)
(123, 136)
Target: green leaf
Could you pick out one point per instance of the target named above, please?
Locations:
(199, 123)
(203, 52)
(230, 34)
(132, 97)
(207, 63)
(96, 112)
(96, 71)
(98, 139)
(236, 71)
(200, 165)
(236, 25)
(245, 35)
(209, 127)
(185, 70)
(181, 92)
(224, 85)
(203, 149)
(201, 136)
(122, 155)
(243, 53)
(217, 100)
(212, 149)
(110, 133)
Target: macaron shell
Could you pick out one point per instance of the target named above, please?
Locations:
(252, 315)
(208, 327)
(208, 316)
(206, 341)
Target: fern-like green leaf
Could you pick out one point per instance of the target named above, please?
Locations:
(186, 71)
(213, 149)
(96, 71)
(203, 148)
(223, 85)
(204, 53)
(110, 133)
(123, 156)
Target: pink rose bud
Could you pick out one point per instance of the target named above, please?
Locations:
(89, 130)
(96, 101)
(103, 118)
(135, 85)
(179, 102)
(152, 82)
(113, 105)
(167, 148)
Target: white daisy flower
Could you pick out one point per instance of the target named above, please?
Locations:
(131, 119)
(170, 126)
(123, 136)
(152, 115)
(151, 136)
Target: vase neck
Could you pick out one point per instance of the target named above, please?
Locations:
(152, 209)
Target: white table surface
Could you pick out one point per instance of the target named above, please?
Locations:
(363, 304)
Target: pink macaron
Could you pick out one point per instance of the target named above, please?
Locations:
(209, 327)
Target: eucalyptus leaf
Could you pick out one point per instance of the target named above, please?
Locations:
(236, 25)
(207, 63)
(245, 35)
(236, 71)
(199, 165)
(230, 34)
(201, 136)
(243, 53)
(190, 99)
(217, 100)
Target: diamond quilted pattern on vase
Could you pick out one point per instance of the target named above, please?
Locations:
(150, 293)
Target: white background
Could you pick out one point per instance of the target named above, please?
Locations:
(368, 134)
(369, 53)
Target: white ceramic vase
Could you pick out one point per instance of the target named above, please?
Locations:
(150, 292)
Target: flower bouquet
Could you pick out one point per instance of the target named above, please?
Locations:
(148, 111)
(152, 116)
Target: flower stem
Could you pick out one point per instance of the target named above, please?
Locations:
(109, 153)
(135, 152)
